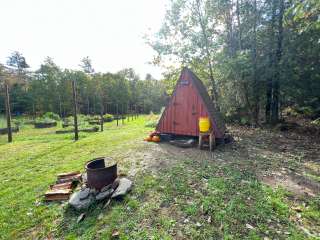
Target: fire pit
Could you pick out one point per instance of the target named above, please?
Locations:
(100, 175)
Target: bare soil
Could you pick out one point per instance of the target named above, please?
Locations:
(287, 159)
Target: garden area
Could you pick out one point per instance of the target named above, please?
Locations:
(264, 185)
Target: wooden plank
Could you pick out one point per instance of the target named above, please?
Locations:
(67, 185)
(61, 175)
(58, 194)
(69, 178)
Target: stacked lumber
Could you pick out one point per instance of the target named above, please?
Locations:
(69, 177)
(63, 187)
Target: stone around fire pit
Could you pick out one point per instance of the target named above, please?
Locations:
(103, 195)
(84, 193)
(125, 186)
(82, 199)
(78, 203)
(107, 191)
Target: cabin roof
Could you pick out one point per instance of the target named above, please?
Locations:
(214, 114)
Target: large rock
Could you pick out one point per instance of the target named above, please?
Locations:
(125, 185)
(84, 193)
(106, 188)
(78, 203)
(103, 195)
(115, 184)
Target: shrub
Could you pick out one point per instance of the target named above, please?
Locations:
(17, 122)
(290, 111)
(108, 117)
(316, 122)
(305, 111)
(244, 121)
(94, 118)
(51, 115)
(151, 124)
(44, 120)
(153, 119)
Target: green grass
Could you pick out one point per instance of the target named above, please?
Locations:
(30, 164)
(189, 199)
(3, 121)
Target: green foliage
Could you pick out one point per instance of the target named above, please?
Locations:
(52, 116)
(44, 120)
(3, 122)
(152, 119)
(316, 122)
(48, 117)
(290, 111)
(257, 46)
(108, 117)
(49, 89)
(17, 60)
(151, 123)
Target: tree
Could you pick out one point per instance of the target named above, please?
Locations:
(19, 64)
(86, 65)
(188, 34)
(17, 60)
(261, 52)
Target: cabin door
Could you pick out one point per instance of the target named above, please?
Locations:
(181, 111)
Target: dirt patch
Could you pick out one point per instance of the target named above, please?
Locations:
(276, 158)
(289, 183)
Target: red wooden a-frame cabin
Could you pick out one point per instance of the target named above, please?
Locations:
(189, 101)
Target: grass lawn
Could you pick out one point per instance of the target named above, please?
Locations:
(177, 194)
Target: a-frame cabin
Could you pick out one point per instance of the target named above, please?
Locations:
(189, 102)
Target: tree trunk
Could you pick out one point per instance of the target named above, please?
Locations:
(229, 27)
(214, 93)
(122, 113)
(33, 111)
(8, 113)
(270, 79)
(269, 99)
(276, 86)
(60, 106)
(88, 106)
(239, 25)
(256, 109)
(75, 117)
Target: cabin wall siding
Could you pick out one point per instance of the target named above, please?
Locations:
(184, 109)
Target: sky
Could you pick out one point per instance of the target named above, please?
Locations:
(110, 32)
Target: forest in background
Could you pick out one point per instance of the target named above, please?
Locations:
(257, 57)
(49, 89)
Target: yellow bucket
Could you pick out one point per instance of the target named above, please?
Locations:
(204, 124)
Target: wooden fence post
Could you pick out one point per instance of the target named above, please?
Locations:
(128, 115)
(132, 113)
(8, 113)
(122, 113)
(75, 117)
(117, 110)
(101, 117)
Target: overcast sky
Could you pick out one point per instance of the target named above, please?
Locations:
(110, 32)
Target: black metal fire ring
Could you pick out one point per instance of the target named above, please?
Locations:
(98, 175)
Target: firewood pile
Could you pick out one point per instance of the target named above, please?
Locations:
(63, 187)
(73, 187)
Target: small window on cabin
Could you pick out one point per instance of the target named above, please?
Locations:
(184, 82)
